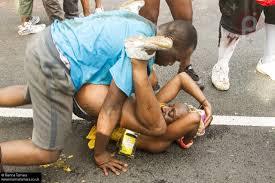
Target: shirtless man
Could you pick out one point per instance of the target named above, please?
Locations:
(181, 122)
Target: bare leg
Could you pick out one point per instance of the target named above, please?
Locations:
(24, 153)
(150, 10)
(86, 7)
(21, 152)
(98, 4)
(24, 19)
(13, 96)
(186, 126)
(181, 9)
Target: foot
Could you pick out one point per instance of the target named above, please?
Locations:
(132, 5)
(190, 71)
(28, 28)
(99, 10)
(220, 77)
(33, 21)
(266, 69)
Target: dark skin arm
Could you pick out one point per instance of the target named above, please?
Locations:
(184, 82)
(108, 118)
(147, 105)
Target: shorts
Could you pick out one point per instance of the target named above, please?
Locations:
(79, 112)
(50, 90)
(241, 16)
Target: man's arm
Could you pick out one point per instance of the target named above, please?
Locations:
(108, 118)
(147, 106)
(184, 82)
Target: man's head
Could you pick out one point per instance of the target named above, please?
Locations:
(184, 36)
(172, 112)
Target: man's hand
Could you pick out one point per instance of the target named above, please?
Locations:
(106, 162)
(208, 112)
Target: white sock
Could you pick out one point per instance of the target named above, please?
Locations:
(269, 51)
(227, 46)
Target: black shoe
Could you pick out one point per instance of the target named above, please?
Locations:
(1, 166)
(190, 71)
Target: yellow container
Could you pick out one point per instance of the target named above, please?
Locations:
(128, 143)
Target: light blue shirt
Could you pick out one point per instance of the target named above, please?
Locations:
(94, 46)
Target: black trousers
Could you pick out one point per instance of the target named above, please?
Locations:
(241, 16)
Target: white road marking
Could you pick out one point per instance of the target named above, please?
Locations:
(218, 120)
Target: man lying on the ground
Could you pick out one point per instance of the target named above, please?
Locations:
(71, 53)
(182, 120)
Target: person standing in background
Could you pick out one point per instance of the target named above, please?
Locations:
(28, 22)
(240, 18)
(180, 10)
(70, 8)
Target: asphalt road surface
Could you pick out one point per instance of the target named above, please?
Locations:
(224, 154)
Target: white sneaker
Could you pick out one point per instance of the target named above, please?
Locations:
(28, 28)
(266, 69)
(220, 77)
(132, 5)
(99, 10)
(34, 20)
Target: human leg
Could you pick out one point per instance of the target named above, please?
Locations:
(51, 93)
(186, 126)
(27, 20)
(266, 65)
(181, 9)
(53, 9)
(150, 10)
(25, 10)
(220, 71)
(13, 96)
(24, 153)
(70, 8)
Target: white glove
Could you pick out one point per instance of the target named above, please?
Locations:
(132, 5)
(99, 10)
(144, 48)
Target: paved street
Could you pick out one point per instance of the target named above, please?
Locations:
(225, 154)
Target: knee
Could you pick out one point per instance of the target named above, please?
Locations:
(159, 147)
(47, 156)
